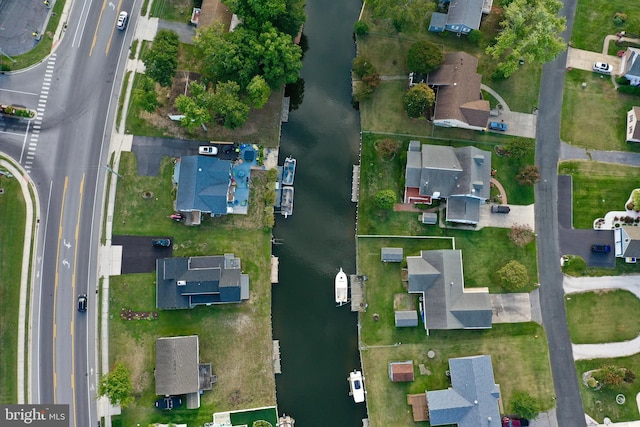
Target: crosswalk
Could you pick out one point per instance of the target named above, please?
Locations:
(37, 122)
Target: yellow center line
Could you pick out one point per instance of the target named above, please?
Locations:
(95, 35)
(55, 287)
(73, 285)
(113, 28)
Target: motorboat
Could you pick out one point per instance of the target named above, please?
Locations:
(356, 386)
(341, 287)
(288, 171)
(286, 204)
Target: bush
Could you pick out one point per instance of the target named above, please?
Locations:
(385, 199)
(361, 28)
(525, 405)
(610, 375)
(418, 100)
(521, 235)
(592, 382)
(528, 175)
(362, 66)
(629, 90)
(475, 37)
(387, 148)
(513, 276)
(622, 81)
(619, 18)
(424, 57)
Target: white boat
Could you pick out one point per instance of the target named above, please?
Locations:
(286, 204)
(356, 385)
(288, 171)
(341, 287)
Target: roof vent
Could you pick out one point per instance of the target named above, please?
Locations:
(182, 283)
(475, 402)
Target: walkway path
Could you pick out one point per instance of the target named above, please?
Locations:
(497, 96)
(503, 194)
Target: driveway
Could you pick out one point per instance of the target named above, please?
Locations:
(515, 308)
(523, 215)
(138, 254)
(584, 59)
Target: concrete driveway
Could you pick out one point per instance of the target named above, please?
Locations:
(515, 308)
(522, 215)
(584, 59)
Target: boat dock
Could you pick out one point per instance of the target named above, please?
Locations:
(276, 357)
(355, 182)
(357, 293)
(274, 269)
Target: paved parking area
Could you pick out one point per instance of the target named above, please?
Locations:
(523, 215)
(511, 308)
(584, 59)
(138, 254)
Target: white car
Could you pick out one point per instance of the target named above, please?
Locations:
(602, 67)
(123, 18)
(208, 150)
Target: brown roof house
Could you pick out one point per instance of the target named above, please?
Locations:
(447, 304)
(627, 241)
(401, 371)
(633, 125)
(459, 100)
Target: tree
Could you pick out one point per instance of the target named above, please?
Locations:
(280, 58)
(196, 108)
(402, 14)
(385, 199)
(530, 31)
(521, 235)
(116, 385)
(529, 175)
(525, 405)
(227, 106)
(361, 28)
(519, 147)
(145, 94)
(424, 57)
(513, 276)
(286, 15)
(418, 100)
(161, 61)
(258, 92)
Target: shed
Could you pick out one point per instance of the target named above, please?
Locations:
(429, 218)
(391, 255)
(406, 318)
(401, 371)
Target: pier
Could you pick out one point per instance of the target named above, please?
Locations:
(357, 293)
(355, 180)
(276, 357)
(274, 269)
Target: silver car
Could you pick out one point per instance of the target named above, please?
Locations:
(602, 67)
(123, 18)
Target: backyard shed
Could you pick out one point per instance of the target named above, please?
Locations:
(429, 218)
(392, 254)
(406, 318)
(401, 371)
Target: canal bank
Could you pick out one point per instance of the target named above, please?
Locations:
(318, 340)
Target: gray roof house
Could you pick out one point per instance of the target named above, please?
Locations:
(462, 16)
(176, 372)
(203, 185)
(472, 399)
(459, 100)
(460, 175)
(186, 282)
(630, 67)
(633, 125)
(627, 242)
(437, 276)
(391, 254)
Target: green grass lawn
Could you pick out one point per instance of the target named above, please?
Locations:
(578, 267)
(598, 188)
(12, 212)
(594, 20)
(594, 116)
(172, 10)
(606, 307)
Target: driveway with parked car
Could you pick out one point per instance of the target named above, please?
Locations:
(139, 253)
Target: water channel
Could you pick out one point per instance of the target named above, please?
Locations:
(318, 341)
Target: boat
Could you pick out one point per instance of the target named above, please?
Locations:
(356, 385)
(341, 287)
(286, 204)
(288, 171)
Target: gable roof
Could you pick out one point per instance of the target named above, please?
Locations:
(465, 12)
(405, 318)
(203, 184)
(437, 275)
(187, 282)
(633, 127)
(631, 65)
(629, 239)
(177, 365)
(401, 371)
(472, 400)
(391, 254)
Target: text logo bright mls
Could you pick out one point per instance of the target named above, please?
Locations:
(34, 415)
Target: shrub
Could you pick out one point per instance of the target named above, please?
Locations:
(619, 18)
(424, 57)
(610, 375)
(635, 198)
(513, 276)
(387, 148)
(525, 405)
(592, 382)
(362, 66)
(622, 81)
(475, 37)
(361, 28)
(385, 199)
(629, 90)
(418, 100)
(528, 175)
(629, 376)
(521, 235)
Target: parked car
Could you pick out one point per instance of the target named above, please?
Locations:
(161, 243)
(514, 421)
(597, 247)
(123, 18)
(501, 126)
(602, 67)
(500, 209)
(415, 78)
(208, 150)
(169, 403)
(82, 303)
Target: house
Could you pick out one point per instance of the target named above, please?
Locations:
(406, 318)
(633, 130)
(179, 371)
(472, 399)
(204, 280)
(461, 175)
(627, 241)
(459, 100)
(630, 67)
(401, 371)
(204, 186)
(446, 304)
(391, 254)
(462, 16)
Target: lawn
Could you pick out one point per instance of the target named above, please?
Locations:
(594, 20)
(605, 306)
(598, 188)
(594, 115)
(173, 10)
(578, 267)
(12, 212)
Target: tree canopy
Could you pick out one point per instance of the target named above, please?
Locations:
(530, 31)
(418, 100)
(116, 385)
(286, 15)
(424, 57)
(525, 405)
(513, 276)
(161, 61)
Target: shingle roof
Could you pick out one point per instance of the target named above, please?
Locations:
(177, 365)
(406, 318)
(391, 254)
(632, 65)
(630, 241)
(635, 124)
(465, 12)
(401, 371)
(203, 184)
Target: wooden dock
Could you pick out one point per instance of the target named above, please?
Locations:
(274, 269)
(276, 357)
(355, 182)
(357, 293)
(284, 115)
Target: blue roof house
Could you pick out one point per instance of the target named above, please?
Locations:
(462, 17)
(203, 185)
(472, 399)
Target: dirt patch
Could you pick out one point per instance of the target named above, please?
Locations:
(128, 314)
(404, 302)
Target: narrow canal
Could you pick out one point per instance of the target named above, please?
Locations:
(318, 341)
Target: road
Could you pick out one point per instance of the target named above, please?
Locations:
(64, 150)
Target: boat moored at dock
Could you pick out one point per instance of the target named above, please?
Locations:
(356, 386)
(288, 171)
(341, 287)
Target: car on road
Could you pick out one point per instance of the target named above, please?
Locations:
(161, 243)
(500, 209)
(123, 18)
(82, 303)
(602, 67)
(597, 247)
(169, 403)
(208, 150)
(501, 126)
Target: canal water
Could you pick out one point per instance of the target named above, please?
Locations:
(318, 341)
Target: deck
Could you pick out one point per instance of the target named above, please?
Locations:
(276, 357)
(355, 183)
(274, 269)
(357, 293)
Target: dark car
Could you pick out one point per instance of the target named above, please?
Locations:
(501, 126)
(597, 247)
(169, 403)
(82, 303)
(500, 209)
(161, 243)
